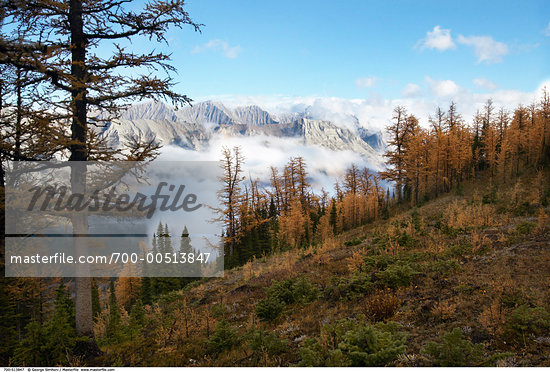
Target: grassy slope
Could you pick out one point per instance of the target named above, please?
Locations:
(475, 263)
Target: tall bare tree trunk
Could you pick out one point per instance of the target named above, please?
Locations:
(83, 304)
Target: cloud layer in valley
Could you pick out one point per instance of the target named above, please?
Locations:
(262, 152)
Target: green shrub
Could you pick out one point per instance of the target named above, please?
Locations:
(454, 351)
(380, 241)
(291, 291)
(358, 285)
(313, 354)
(512, 298)
(443, 267)
(415, 219)
(414, 257)
(407, 241)
(458, 251)
(525, 209)
(490, 198)
(367, 345)
(304, 292)
(282, 291)
(356, 344)
(379, 262)
(394, 271)
(395, 275)
(285, 292)
(262, 341)
(269, 308)
(459, 190)
(355, 241)
(526, 322)
(218, 311)
(525, 228)
(223, 338)
(450, 231)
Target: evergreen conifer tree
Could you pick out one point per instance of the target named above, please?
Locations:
(96, 304)
(113, 326)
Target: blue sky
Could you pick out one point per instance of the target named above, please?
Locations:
(361, 49)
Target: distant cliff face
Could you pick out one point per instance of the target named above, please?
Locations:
(193, 127)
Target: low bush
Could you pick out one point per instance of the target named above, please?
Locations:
(303, 291)
(525, 228)
(382, 305)
(291, 291)
(416, 220)
(285, 292)
(407, 241)
(312, 354)
(351, 243)
(354, 343)
(269, 308)
(453, 350)
(525, 209)
(282, 291)
(490, 198)
(443, 267)
(356, 286)
(458, 251)
(261, 341)
(379, 261)
(526, 323)
(450, 231)
(512, 298)
(395, 275)
(223, 338)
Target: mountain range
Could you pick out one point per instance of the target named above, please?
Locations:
(193, 128)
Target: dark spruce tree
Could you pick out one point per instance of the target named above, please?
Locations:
(96, 304)
(114, 323)
(54, 342)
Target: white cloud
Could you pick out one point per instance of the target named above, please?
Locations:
(443, 88)
(485, 84)
(439, 38)
(485, 48)
(546, 31)
(365, 82)
(220, 46)
(412, 90)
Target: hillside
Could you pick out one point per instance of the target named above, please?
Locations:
(461, 280)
